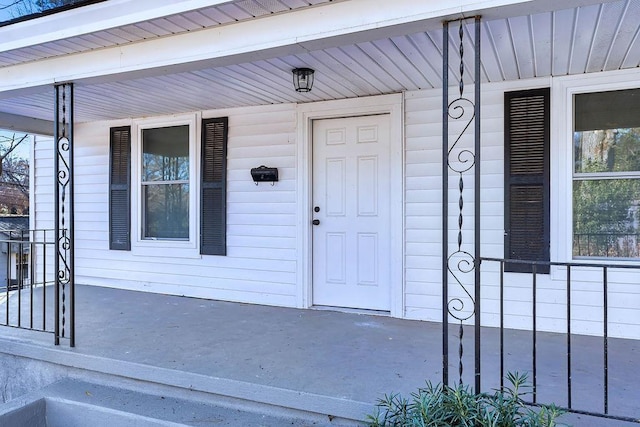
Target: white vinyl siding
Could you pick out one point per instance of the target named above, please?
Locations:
(260, 266)
(423, 236)
(41, 200)
(423, 205)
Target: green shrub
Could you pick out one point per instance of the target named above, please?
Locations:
(438, 405)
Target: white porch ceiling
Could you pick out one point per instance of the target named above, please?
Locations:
(583, 39)
(207, 17)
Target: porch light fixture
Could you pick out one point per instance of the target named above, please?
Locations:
(303, 79)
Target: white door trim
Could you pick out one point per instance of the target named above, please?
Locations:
(384, 104)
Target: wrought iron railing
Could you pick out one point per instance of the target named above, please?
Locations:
(467, 278)
(606, 245)
(28, 293)
(574, 363)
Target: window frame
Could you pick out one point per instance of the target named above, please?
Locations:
(157, 246)
(147, 184)
(563, 90)
(595, 176)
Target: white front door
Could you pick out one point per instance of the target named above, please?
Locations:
(351, 212)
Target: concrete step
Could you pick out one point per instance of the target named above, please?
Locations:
(55, 383)
(73, 403)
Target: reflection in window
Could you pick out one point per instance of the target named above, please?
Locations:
(606, 175)
(165, 183)
(19, 10)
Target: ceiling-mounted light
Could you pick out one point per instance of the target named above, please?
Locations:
(303, 79)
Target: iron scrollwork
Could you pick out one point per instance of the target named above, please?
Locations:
(63, 160)
(459, 161)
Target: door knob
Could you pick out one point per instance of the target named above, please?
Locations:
(316, 222)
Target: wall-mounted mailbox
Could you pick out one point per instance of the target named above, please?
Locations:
(264, 174)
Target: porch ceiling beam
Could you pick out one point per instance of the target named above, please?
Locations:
(25, 124)
(296, 32)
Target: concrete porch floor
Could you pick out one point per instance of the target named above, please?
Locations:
(327, 362)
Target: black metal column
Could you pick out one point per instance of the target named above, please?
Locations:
(476, 204)
(445, 204)
(63, 215)
(460, 266)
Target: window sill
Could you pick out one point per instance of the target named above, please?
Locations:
(590, 269)
(603, 261)
(165, 249)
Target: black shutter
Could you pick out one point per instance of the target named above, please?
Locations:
(527, 178)
(119, 189)
(213, 215)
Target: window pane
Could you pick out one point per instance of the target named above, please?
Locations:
(607, 150)
(166, 211)
(607, 110)
(605, 218)
(165, 154)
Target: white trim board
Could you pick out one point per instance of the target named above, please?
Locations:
(159, 247)
(385, 104)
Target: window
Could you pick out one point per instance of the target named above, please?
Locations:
(606, 174)
(165, 183)
(165, 186)
(527, 230)
(164, 208)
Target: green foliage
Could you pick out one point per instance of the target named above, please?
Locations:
(604, 206)
(444, 406)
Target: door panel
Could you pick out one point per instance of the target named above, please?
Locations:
(351, 242)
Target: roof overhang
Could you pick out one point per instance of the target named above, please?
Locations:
(329, 36)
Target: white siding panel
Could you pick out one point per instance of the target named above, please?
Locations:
(423, 195)
(42, 199)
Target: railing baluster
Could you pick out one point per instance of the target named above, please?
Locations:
(605, 306)
(8, 281)
(44, 280)
(501, 325)
(19, 293)
(535, 344)
(569, 336)
(20, 266)
(31, 265)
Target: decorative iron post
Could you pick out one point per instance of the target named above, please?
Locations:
(462, 264)
(63, 215)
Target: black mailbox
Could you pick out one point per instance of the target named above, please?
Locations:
(264, 174)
